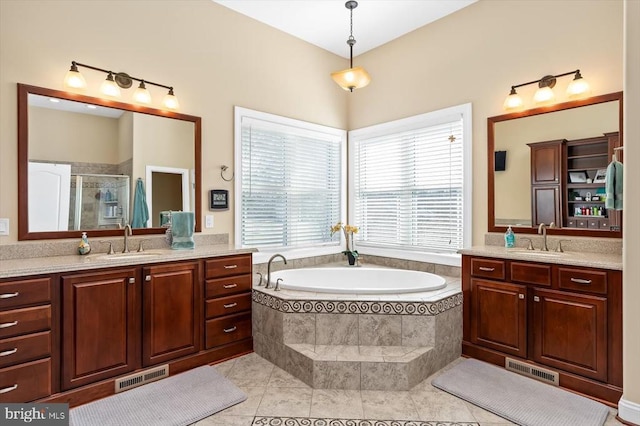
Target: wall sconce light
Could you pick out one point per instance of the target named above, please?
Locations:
(351, 78)
(115, 81)
(545, 94)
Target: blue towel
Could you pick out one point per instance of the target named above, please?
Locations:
(613, 186)
(182, 226)
(140, 214)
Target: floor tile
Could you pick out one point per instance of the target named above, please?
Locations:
(224, 367)
(250, 370)
(281, 379)
(346, 404)
(483, 416)
(292, 402)
(437, 405)
(385, 405)
(248, 407)
(222, 420)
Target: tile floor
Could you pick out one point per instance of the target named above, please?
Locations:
(272, 391)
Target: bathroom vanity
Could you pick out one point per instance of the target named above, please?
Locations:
(70, 326)
(558, 313)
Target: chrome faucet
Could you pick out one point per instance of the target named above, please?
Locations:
(127, 233)
(542, 229)
(269, 267)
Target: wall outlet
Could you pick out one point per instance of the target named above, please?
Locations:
(4, 226)
(208, 223)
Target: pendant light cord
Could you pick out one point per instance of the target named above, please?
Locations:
(351, 40)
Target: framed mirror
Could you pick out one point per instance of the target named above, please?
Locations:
(544, 166)
(88, 165)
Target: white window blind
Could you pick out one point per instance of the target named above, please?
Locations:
(290, 183)
(408, 184)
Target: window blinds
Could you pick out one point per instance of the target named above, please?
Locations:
(408, 187)
(290, 185)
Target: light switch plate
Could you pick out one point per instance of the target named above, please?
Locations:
(208, 223)
(4, 226)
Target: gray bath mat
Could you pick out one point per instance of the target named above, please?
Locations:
(517, 398)
(177, 400)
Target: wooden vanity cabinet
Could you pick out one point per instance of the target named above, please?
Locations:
(564, 318)
(100, 325)
(27, 336)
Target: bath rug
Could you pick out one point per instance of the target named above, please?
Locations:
(306, 421)
(517, 398)
(175, 401)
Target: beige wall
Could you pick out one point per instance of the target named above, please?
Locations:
(215, 58)
(125, 137)
(477, 53)
(70, 136)
(631, 225)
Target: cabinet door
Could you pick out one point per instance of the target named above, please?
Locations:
(498, 316)
(101, 327)
(545, 205)
(172, 296)
(545, 164)
(570, 332)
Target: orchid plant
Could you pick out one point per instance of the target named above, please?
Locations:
(348, 231)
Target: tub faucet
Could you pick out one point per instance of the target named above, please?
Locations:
(127, 233)
(269, 267)
(542, 229)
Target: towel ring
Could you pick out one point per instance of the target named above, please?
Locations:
(223, 169)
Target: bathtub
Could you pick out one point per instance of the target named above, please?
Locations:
(357, 280)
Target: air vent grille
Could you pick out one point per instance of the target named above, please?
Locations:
(534, 372)
(141, 378)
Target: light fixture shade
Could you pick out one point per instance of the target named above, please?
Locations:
(351, 78)
(170, 100)
(109, 87)
(578, 87)
(512, 101)
(74, 79)
(142, 95)
(544, 94)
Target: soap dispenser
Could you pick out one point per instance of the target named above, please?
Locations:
(84, 247)
(509, 238)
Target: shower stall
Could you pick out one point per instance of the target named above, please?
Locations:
(99, 201)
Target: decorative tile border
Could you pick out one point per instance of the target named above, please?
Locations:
(304, 421)
(356, 307)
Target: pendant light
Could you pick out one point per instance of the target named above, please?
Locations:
(353, 77)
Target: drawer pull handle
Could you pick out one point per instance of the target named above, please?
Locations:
(230, 266)
(484, 268)
(234, 285)
(230, 330)
(536, 299)
(580, 281)
(9, 389)
(8, 324)
(9, 352)
(8, 295)
(230, 305)
(520, 296)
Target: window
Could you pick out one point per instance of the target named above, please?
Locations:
(290, 180)
(411, 183)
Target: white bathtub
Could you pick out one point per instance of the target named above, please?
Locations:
(357, 280)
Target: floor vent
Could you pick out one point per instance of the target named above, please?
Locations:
(141, 378)
(534, 372)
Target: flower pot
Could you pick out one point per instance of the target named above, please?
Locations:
(352, 258)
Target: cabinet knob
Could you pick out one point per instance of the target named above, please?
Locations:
(520, 296)
(536, 299)
(147, 278)
(132, 280)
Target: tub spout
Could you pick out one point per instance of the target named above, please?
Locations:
(269, 267)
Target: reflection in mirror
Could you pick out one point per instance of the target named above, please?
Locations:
(513, 193)
(80, 159)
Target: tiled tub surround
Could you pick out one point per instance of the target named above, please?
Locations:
(346, 341)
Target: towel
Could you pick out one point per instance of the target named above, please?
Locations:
(140, 214)
(613, 186)
(182, 226)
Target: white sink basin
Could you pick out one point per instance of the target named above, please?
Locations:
(126, 256)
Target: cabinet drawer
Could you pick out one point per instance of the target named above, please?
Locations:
(24, 292)
(24, 348)
(593, 224)
(582, 223)
(228, 305)
(26, 382)
(227, 286)
(488, 268)
(25, 320)
(530, 273)
(226, 266)
(572, 223)
(604, 224)
(228, 329)
(581, 280)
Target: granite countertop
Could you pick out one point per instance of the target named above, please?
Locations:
(54, 264)
(592, 260)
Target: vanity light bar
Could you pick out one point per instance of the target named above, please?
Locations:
(114, 81)
(544, 94)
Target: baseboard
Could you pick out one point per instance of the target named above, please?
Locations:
(629, 412)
